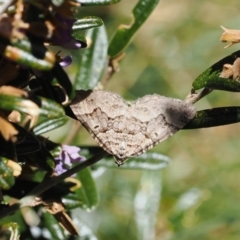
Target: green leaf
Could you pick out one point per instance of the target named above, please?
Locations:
(49, 111)
(86, 196)
(88, 191)
(146, 205)
(28, 59)
(55, 230)
(23, 105)
(97, 2)
(215, 117)
(210, 77)
(49, 125)
(124, 33)
(51, 116)
(86, 23)
(23, 44)
(6, 175)
(218, 83)
(92, 61)
(146, 161)
(71, 201)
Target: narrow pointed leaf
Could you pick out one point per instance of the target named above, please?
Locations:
(217, 83)
(49, 125)
(146, 161)
(124, 33)
(92, 61)
(87, 23)
(51, 116)
(146, 205)
(27, 59)
(97, 2)
(215, 117)
(51, 224)
(86, 196)
(49, 109)
(23, 105)
(210, 77)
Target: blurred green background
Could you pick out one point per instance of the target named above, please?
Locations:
(197, 196)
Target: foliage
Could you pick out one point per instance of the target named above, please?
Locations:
(55, 184)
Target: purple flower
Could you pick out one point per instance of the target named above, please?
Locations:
(66, 61)
(62, 35)
(67, 157)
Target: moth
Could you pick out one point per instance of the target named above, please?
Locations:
(126, 130)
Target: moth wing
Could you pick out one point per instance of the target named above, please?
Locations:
(97, 110)
(162, 116)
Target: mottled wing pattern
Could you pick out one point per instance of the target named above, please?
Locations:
(100, 112)
(161, 117)
(129, 130)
